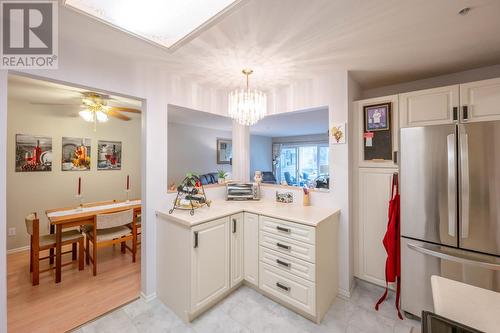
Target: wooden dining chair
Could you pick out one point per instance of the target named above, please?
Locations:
(138, 227)
(108, 230)
(40, 243)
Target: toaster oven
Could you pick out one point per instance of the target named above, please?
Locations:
(242, 191)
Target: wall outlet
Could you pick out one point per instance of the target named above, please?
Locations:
(12, 231)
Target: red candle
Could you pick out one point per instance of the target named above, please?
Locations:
(128, 182)
(79, 185)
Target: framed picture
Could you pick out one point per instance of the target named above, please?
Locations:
(75, 154)
(109, 155)
(377, 117)
(338, 133)
(224, 151)
(33, 153)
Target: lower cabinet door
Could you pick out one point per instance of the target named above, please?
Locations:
(251, 248)
(210, 253)
(237, 233)
(291, 289)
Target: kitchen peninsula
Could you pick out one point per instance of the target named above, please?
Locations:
(287, 252)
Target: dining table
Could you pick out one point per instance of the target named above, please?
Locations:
(62, 218)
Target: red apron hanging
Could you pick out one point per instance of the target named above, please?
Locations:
(392, 246)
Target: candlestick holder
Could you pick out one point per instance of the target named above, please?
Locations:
(79, 197)
(127, 192)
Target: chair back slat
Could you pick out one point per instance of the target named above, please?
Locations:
(29, 220)
(105, 221)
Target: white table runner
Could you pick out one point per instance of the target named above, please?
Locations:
(93, 209)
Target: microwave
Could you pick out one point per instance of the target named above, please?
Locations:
(242, 191)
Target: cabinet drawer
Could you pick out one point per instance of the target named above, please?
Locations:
(293, 290)
(288, 246)
(288, 229)
(288, 263)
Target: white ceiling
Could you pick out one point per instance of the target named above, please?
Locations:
(305, 122)
(380, 41)
(185, 116)
(38, 92)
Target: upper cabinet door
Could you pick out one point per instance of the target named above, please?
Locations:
(480, 101)
(237, 232)
(429, 107)
(209, 262)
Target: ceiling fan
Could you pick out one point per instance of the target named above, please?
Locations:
(95, 108)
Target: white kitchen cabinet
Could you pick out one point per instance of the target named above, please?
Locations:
(203, 259)
(435, 106)
(209, 262)
(251, 248)
(373, 203)
(480, 101)
(359, 130)
(237, 235)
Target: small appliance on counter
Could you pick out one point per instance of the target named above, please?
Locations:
(242, 191)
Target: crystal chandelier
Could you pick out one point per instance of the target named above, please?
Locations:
(247, 106)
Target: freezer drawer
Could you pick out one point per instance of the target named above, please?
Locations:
(420, 260)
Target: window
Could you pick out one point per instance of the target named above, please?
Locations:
(302, 164)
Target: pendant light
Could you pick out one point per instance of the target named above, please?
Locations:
(247, 106)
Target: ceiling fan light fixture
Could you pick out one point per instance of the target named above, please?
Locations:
(101, 116)
(247, 106)
(87, 115)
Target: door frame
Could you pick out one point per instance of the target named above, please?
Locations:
(146, 246)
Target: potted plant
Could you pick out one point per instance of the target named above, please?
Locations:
(221, 174)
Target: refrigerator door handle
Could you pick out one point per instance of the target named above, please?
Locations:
(452, 186)
(464, 183)
(480, 260)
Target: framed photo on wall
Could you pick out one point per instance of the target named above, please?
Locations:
(109, 155)
(33, 153)
(377, 117)
(224, 151)
(75, 154)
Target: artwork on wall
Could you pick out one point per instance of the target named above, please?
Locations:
(377, 117)
(224, 151)
(109, 155)
(33, 153)
(75, 154)
(338, 133)
(377, 132)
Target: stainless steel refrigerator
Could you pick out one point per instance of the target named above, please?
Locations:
(450, 208)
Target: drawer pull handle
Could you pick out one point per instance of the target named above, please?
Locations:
(283, 229)
(282, 263)
(195, 239)
(234, 226)
(281, 286)
(283, 246)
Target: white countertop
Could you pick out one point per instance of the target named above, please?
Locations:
(469, 305)
(308, 215)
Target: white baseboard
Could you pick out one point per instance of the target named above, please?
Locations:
(148, 298)
(19, 249)
(346, 294)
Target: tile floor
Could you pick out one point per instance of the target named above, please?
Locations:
(246, 310)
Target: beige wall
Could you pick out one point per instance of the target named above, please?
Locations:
(38, 191)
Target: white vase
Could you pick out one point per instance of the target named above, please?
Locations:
(221, 180)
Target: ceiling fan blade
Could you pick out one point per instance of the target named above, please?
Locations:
(116, 114)
(119, 108)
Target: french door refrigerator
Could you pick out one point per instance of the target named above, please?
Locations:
(450, 208)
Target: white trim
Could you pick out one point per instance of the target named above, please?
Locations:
(148, 298)
(346, 294)
(18, 249)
